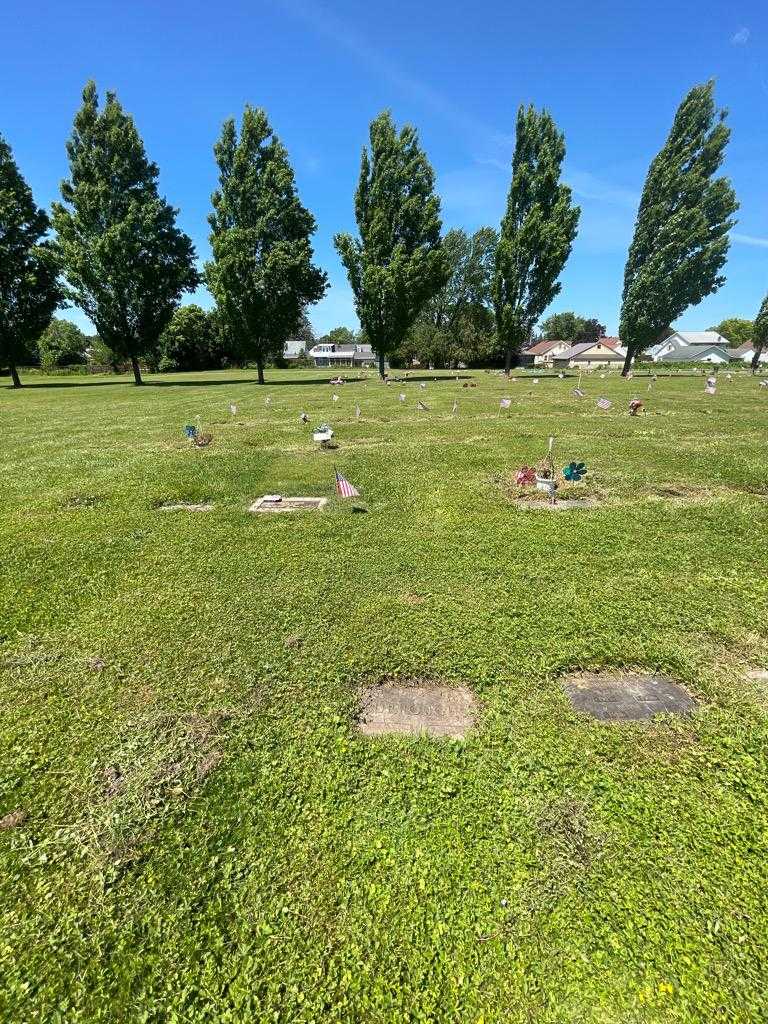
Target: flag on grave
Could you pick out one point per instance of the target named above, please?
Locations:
(357, 412)
(603, 403)
(505, 403)
(268, 401)
(335, 398)
(233, 408)
(401, 396)
(423, 387)
(577, 393)
(421, 407)
(304, 418)
(455, 408)
(344, 488)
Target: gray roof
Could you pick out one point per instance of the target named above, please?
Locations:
(700, 337)
(692, 353)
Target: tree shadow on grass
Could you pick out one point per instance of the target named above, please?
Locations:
(51, 385)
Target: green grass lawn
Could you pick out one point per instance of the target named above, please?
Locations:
(206, 837)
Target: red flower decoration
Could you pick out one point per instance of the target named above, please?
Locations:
(525, 476)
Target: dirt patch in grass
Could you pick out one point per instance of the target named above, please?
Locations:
(412, 599)
(83, 501)
(626, 696)
(184, 506)
(162, 761)
(415, 707)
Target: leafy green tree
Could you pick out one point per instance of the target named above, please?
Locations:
(126, 261)
(29, 291)
(191, 341)
(396, 265)
(62, 343)
(100, 354)
(736, 330)
(760, 333)
(339, 336)
(261, 275)
(562, 327)
(537, 231)
(592, 331)
(681, 232)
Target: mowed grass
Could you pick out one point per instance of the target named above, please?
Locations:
(206, 837)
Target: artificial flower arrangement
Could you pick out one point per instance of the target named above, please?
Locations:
(544, 475)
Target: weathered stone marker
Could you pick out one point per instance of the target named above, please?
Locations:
(411, 710)
(277, 503)
(626, 696)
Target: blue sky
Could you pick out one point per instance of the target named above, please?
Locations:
(611, 74)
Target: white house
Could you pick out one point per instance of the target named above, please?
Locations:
(698, 354)
(544, 352)
(664, 351)
(746, 354)
(327, 353)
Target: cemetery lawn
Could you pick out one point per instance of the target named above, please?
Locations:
(202, 836)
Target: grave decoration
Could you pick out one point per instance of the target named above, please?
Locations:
(574, 472)
(202, 440)
(525, 476)
(190, 431)
(233, 408)
(336, 381)
(304, 418)
(545, 473)
(635, 406)
(323, 435)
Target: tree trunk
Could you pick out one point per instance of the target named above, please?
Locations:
(260, 368)
(382, 371)
(136, 371)
(627, 362)
(508, 360)
(756, 358)
(15, 376)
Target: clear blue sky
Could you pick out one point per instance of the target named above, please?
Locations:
(612, 75)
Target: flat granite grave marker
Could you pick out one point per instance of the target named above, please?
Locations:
(273, 503)
(626, 696)
(412, 710)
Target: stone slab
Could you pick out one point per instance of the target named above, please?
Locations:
(626, 696)
(413, 710)
(288, 505)
(560, 505)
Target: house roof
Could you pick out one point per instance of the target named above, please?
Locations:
(542, 347)
(700, 338)
(692, 353)
(742, 350)
(580, 349)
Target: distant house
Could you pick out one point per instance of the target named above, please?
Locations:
(294, 348)
(664, 351)
(585, 354)
(698, 354)
(745, 354)
(543, 352)
(330, 354)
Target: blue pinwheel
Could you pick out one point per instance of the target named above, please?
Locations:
(190, 431)
(574, 471)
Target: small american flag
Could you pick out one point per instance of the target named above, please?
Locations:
(505, 403)
(577, 393)
(268, 401)
(455, 408)
(335, 398)
(344, 488)
(357, 412)
(401, 396)
(421, 407)
(423, 387)
(233, 408)
(603, 403)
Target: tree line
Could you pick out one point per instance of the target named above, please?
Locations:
(111, 246)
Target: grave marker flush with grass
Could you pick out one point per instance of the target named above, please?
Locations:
(411, 710)
(626, 696)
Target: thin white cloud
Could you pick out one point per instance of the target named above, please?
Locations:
(761, 243)
(588, 186)
(740, 38)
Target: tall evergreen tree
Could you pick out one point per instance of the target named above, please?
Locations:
(397, 263)
(760, 334)
(537, 231)
(126, 261)
(262, 275)
(681, 232)
(29, 292)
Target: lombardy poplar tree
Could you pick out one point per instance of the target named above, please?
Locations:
(760, 334)
(681, 232)
(29, 292)
(261, 275)
(397, 263)
(537, 231)
(125, 260)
